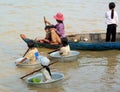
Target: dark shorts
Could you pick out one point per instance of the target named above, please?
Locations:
(27, 40)
(111, 33)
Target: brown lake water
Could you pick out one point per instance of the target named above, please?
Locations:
(94, 71)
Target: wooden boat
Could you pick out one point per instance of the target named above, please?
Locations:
(89, 41)
(73, 56)
(57, 77)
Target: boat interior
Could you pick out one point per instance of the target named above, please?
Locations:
(90, 37)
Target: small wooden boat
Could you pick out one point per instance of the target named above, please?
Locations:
(57, 77)
(88, 41)
(73, 56)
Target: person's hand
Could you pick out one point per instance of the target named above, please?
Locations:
(46, 21)
(61, 53)
(17, 63)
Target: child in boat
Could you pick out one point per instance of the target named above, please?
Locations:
(51, 36)
(31, 55)
(111, 18)
(59, 27)
(65, 48)
(46, 73)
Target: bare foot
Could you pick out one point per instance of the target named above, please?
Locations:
(23, 36)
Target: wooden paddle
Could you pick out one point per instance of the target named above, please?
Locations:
(44, 21)
(53, 51)
(26, 52)
(28, 49)
(36, 70)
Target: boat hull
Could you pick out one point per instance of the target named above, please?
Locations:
(95, 45)
(88, 46)
(90, 41)
(28, 65)
(57, 80)
(73, 56)
(25, 64)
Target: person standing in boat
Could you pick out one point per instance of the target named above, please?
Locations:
(31, 56)
(46, 73)
(111, 18)
(59, 26)
(65, 48)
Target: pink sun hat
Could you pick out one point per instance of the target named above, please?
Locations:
(59, 16)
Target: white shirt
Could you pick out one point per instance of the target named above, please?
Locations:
(31, 56)
(45, 76)
(65, 50)
(108, 17)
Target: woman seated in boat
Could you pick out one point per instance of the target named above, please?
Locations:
(46, 73)
(51, 37)
(65, 48)
(31, 55)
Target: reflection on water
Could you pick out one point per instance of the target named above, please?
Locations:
(97, 71)
(109, 78)
(93, 61)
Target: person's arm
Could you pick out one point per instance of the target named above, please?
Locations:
(23, 60)
(61, 51)
(106, 16)
(116, 19)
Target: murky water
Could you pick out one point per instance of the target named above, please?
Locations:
(95, 71)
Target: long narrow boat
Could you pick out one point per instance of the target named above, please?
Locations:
(89, 41)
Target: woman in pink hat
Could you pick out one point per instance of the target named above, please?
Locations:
(60, 25)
